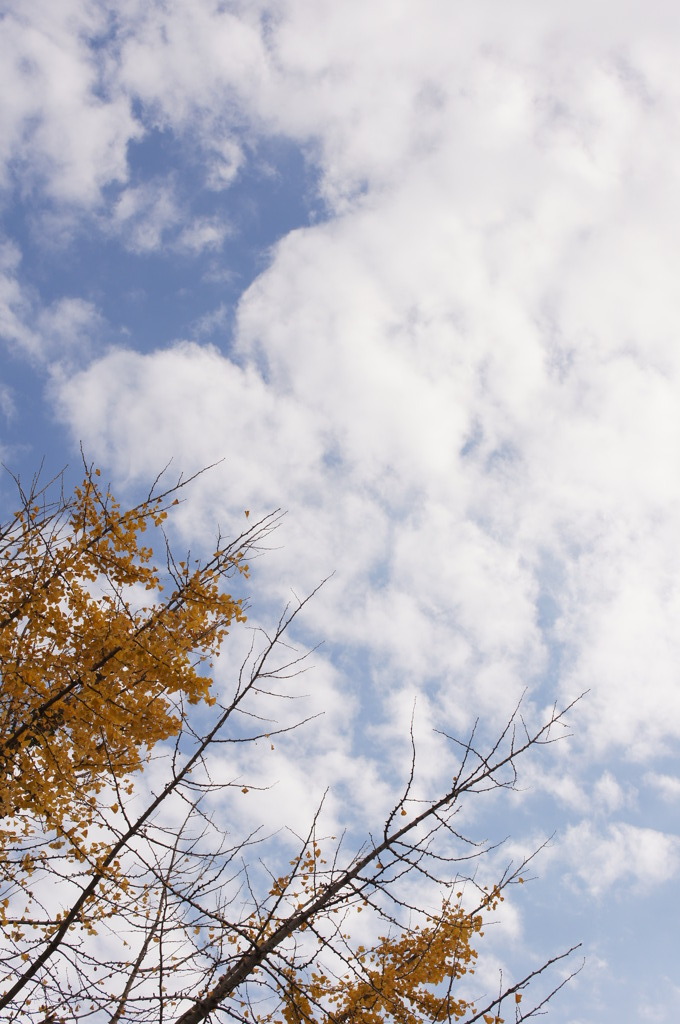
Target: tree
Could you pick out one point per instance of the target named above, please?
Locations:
(127, 901)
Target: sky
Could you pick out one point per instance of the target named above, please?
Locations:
(407, 270)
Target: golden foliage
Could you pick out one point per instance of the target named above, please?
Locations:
(97, 654)
(405, 978)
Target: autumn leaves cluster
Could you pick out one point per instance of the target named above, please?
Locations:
(94, 666)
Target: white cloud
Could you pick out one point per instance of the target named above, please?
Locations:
(562, 785)
(195, 61)
(223, 164)
(56, 333)
(67, 329)
(608, 793)
(668, 786)
(151, 217)
(191, 405)
(15, 301)
(212, 322)
(66, 107)
(61, 125)
(201, 234)
(621, 854)
(7, 402)
(144, 215)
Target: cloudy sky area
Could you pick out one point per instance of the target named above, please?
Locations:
(410, 267)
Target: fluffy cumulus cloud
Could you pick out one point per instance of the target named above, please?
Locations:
(667, 785)
(642, 856)
(477, 347)
(191, 405)
(63, 129)
(462, 380)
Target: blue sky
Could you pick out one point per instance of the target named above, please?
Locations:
(410, 269)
